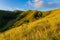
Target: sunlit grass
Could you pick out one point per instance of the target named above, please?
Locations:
(47, 28)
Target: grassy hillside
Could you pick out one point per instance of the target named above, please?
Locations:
(34, 25)
(10, 19)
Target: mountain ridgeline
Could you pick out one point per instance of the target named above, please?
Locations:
(9, 18)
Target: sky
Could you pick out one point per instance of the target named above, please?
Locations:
(41, 5)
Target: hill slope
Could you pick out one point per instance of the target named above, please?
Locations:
(35, 25)
(11, 19)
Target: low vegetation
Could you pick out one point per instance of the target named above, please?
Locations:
(34, 25)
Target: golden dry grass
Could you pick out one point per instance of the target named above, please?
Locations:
(47, 28)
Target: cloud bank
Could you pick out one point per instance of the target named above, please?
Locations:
(42, 3)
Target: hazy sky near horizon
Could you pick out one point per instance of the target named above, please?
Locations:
(41, 5)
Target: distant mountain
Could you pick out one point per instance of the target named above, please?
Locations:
(7, 19)
(30, 25)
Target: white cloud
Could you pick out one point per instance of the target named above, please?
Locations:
(42, 3)
(36, 3)
(56, 2)
(50, 3)
(20, 9)
(36, 0)
(12, 9)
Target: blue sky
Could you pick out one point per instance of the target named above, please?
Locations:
(40, 5)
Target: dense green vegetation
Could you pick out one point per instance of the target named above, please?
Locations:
(7, 19)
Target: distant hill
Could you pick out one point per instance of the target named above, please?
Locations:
(30, 25)
(7, 19)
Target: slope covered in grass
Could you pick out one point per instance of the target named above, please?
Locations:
(45, 27)
(11, 19)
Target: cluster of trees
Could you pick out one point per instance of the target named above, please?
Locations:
(38, 15)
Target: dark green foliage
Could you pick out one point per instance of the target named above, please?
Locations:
(38, 15)
(7, 19)
(26, 21)
(22, 16)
